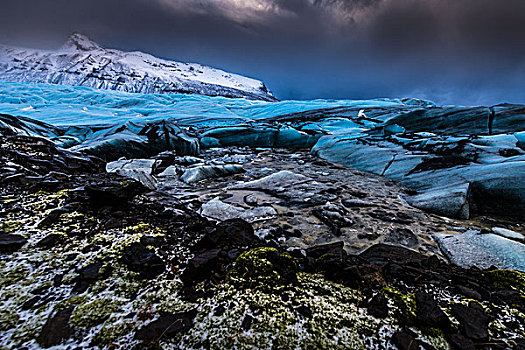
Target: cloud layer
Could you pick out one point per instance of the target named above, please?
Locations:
(452, 51)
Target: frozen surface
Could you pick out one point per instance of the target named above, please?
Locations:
(461, 161)
(67, 105)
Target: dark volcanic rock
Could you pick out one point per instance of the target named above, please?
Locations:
(335, 249)
(304, 310)
(230, 233)
(166, 326)
(56, 329)
(87, 275)
(474, 320)
(218, 249)
(114, 193)
(428, 312)
(51, 218)
(403, 237)
(202, 265)
(381, 254)
(155, 241)
(39, 156)
(10, 243)
(247, 322)
(405, 341)
(378, 306)
(144, 261)
(356, 203)
(50, 240)
(460, 342)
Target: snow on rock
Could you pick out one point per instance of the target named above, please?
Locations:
(82, 62)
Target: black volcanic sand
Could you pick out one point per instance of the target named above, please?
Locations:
(333, 259)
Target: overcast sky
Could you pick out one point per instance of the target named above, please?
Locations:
(449, 51)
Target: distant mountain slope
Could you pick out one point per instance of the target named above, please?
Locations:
(82, 62)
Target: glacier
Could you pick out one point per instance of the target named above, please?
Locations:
(114, 200)
(459, 161)
(68, 105)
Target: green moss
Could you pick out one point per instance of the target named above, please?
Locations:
(508, 279)
(112, 332)
(335, 322)
(71, 301)
(8, 320)
(70, 218)
(94, 312)
(262, 267)
(122, 282)
(139, 228)
(46, 199)
(9, 226)
(164, 295)
(328, 257)
(29, 329)
(114, 245)
(14, 275)
(405, 304)
(467, 301)
(432, 336)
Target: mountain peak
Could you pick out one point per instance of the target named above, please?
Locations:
(79, 42)
(83, 62)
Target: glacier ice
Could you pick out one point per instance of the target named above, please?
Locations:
(427, 148)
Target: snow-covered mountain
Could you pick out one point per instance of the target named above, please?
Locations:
(82, 62)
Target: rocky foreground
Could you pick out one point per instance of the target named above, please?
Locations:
(213, 245)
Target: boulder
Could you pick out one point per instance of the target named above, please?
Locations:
(218, 210)
(56, 329)
(11, 243)
(473, 319)
(473, 248)
(295, 189)
(137, 169)
(203, 172)
(166, 326)
(140, 259)
(452, 201)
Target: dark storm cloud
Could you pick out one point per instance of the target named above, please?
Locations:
(453, 51)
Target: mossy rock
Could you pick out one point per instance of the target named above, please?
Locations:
(71, 301)
(18, 274)
(139, 228)
(509, 280)
(8, 320)
(405, 304)
(263, 267)
(112, 332)
(94, 313)
(334, 322)
(28, 330)
(9, 226)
